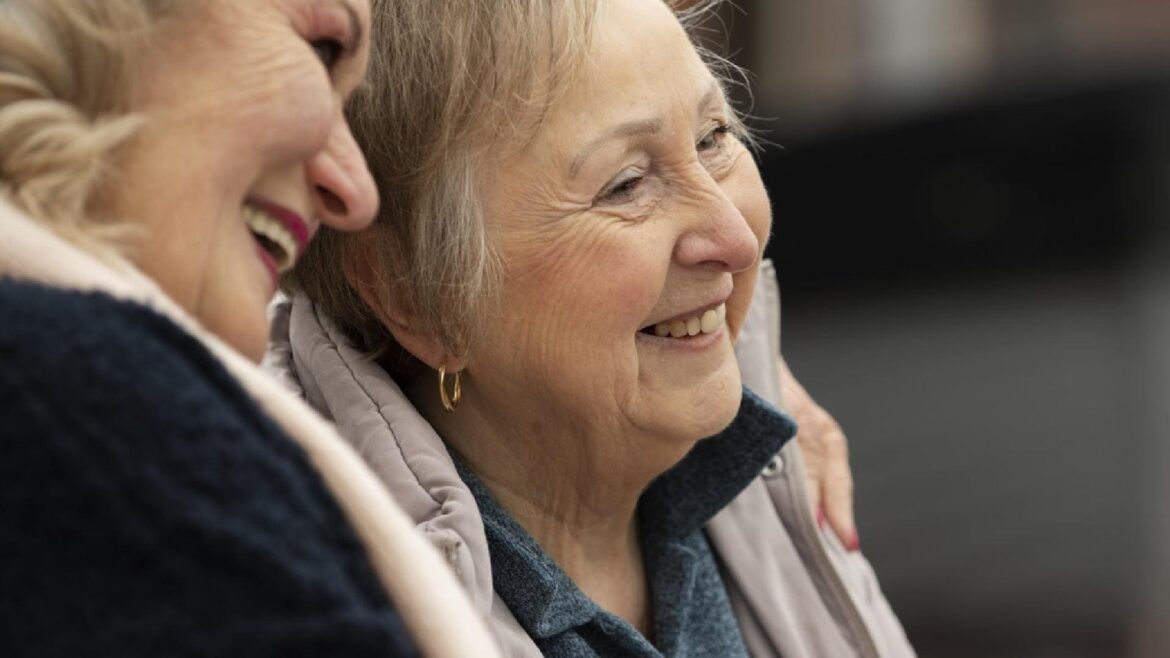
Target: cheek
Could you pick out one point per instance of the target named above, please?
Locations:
(746, 191)
(590, 289)
(298, 130)
(286, 112)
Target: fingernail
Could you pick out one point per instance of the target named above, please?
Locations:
(820, 518)
(854, 544)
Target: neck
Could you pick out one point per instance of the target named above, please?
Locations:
(574, 489)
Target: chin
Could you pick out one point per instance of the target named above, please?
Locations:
(253, 350)
(709, 409)
(248, 338)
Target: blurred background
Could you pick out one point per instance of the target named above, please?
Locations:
(972, 200)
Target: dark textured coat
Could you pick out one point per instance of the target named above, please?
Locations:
(148, 506)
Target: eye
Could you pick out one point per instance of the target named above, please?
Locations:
(713, 139)
(621, 190)
(329, 51)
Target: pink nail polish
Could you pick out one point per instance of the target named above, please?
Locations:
(820, 518)
(854, 545)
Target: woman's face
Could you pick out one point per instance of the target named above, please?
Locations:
(632, 214)
(245, 152)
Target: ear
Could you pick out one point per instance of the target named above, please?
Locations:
(366, 273)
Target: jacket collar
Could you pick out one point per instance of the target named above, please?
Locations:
(540, 595)
(312, 357)
(718, 468)
(675, 506)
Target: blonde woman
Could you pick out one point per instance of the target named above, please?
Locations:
(161, 163)
(534, 344)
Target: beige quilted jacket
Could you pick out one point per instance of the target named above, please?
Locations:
(795, 591)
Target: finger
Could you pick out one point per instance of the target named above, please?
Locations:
(814, 486)
(823, 447)
(838, 497)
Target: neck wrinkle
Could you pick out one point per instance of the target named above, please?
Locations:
(580, 505)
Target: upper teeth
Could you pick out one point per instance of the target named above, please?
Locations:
(706, 323)
(263, 224)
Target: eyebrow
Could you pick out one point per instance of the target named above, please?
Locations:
(636, 128)
(622, 131)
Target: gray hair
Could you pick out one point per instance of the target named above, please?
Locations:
(447, 80)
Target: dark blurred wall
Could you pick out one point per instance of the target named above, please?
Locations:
(971, 203)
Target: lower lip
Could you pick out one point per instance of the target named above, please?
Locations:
(697, 343)
(291, 221)
(270, 265)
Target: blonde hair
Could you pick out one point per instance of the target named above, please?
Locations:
(65, 70)
(448, 80)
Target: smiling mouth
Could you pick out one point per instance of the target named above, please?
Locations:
(272, 236)
(707, 323)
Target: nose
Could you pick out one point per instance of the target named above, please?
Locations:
(343, 189)
(717, 235)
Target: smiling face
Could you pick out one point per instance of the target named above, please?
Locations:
(630, 231)
(245, 152)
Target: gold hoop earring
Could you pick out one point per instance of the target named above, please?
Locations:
(449, 403)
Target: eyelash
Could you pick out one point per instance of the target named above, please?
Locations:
(330, 30)
(329, 51)
(622, 188)
(721, 130)
(617, 192)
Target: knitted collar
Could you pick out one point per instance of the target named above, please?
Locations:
(675, 506)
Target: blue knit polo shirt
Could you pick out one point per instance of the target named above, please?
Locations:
(692, 615)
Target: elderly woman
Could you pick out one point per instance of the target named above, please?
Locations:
(161, 162)
(534, 344)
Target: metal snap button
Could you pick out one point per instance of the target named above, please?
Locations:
(773, 467)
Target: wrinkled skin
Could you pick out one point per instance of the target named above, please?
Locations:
(242, 101)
